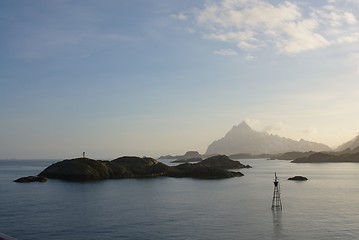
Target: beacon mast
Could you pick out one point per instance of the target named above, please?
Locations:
(276, 202)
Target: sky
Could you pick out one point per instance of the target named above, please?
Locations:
(150, 78)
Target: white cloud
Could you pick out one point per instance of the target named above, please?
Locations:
(353, 1)
(352, 38)
(190, 30)
(354, 58)
(225, 52)
(301, 37)
(250, 57)
(179, 16)
(310, 130)
(289, 27)
(274, 128)
(253, 123)
(331, 16)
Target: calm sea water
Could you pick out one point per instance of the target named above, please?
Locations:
(325, 207)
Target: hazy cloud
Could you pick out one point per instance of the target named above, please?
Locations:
(225, 52)
(354, 57)
(190, 30)
(253, 123)
(310, 130)
(180, 16)
(349, 38)
(250, 57)
(289, 27)
(278, 127)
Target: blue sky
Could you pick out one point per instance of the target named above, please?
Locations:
(136, 77)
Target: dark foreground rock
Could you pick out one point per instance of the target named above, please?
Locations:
(298, 178)
(31, 179)
(223, 162)
(85, 169)
(201, 172)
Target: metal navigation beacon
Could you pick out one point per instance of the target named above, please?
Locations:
(276, 202)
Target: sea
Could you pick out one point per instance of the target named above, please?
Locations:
(324, 207)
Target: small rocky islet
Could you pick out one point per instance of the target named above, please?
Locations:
(31, 179)
(298, 178)
(85, 169)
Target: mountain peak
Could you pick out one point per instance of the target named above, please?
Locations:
(353, 143)
(244, 124)
(243, 139)
(240, 130)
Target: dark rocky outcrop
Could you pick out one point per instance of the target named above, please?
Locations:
(187, 156)
(190, 160)
(223, 162)
(328, 158)
(31, 179)
(292, 155)
(318, 158)
(81, 169)
(298, 178)
(201, 172)
(168, 157)
(85, 169)
(250, 156)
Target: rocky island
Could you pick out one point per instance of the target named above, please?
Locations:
(85, 169)
(298, 178)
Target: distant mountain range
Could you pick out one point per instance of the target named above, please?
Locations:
(243, 139)
(352, 144)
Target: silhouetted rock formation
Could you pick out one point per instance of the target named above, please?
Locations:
(198, 170)
(328, 157)
(250, 156)
(188, 155)
(168, 157)
(242, 139)
(30, 179)
(190, 160)
(223, 162)
(84, 169)
(292, 155)
(191, 154)
(298, 178)
(201, 171)
(317, 158)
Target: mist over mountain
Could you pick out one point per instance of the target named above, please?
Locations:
(243, 139)
(354, 143)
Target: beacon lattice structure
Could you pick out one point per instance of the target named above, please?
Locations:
(276, 202)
